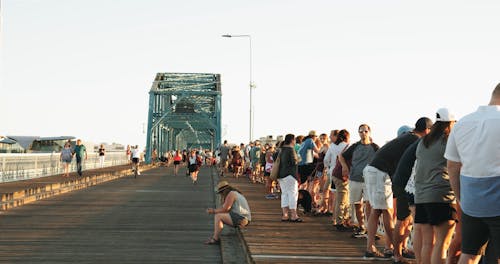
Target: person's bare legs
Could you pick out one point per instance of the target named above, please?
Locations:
(443, 233)
(470, 259)
(331, 202)
(293, 214)
(389, 227)
(284, 215)
(372, 229)
(400, 233)
(269, 185)
(219, 221)
(417, 243)
(360, 216)
(427, 243)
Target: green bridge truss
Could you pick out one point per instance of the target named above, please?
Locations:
(184, 112)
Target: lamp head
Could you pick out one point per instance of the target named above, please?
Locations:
(226, 36)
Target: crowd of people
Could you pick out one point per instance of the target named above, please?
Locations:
(438, 179)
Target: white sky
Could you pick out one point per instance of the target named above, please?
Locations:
(84, 68)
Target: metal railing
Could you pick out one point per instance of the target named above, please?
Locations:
(18, 167)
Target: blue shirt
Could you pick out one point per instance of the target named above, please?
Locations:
(306, 145)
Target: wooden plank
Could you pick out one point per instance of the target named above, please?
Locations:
(313, 241)
(156, 218)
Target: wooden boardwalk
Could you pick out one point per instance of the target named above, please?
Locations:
(156, 218)
(314, 241)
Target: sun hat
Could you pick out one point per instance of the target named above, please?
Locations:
(221, 186)
(445, 115)
(312, 133)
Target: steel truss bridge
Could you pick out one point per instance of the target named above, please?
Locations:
(184, 112)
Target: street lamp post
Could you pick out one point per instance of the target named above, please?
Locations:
(251, 86)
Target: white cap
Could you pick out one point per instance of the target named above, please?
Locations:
(444, 115)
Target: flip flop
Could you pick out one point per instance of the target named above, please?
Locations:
(298, 220)
(285, 220)
(212, 241)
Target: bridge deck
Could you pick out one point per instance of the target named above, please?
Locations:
(314, 241)
(156, 218)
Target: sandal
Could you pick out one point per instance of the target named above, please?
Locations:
(297, 220)
(212, 241)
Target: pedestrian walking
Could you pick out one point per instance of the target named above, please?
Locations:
(194, 163)
(177, 162)
(102, 156)
(128, 152)
(66, 157)
(80, 153)
(136, 159)
(224, 153)
(154, 156)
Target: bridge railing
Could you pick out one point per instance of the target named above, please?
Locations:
(18, 167)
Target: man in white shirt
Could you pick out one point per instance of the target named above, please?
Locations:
(473, 153)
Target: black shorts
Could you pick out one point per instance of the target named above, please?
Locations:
(135, 160)
(402, 208)
(434, 213)
(267, 174)
(476, 231)
(177, 162)
(305, 171)
(193, 167)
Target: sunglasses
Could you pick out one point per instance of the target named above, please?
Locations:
(363, 131)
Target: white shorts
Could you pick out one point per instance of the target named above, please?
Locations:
(357, 192)
(379, 188)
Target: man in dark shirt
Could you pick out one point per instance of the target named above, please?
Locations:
(379, 185)
(80, 152)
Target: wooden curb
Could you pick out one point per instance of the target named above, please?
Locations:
(29, 195)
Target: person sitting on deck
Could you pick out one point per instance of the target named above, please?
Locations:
(234, 211)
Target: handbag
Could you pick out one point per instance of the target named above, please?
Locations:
(337, 170)
(275, 171)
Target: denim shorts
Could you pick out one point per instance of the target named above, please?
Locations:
(238, 219)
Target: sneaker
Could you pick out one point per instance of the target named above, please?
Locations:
(388, 253)
(375, 255)
(270, 196)
(360, 233)
(408, 254)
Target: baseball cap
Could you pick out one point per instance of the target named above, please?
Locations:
(423, 123)
(444, 115)
(404, 129)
